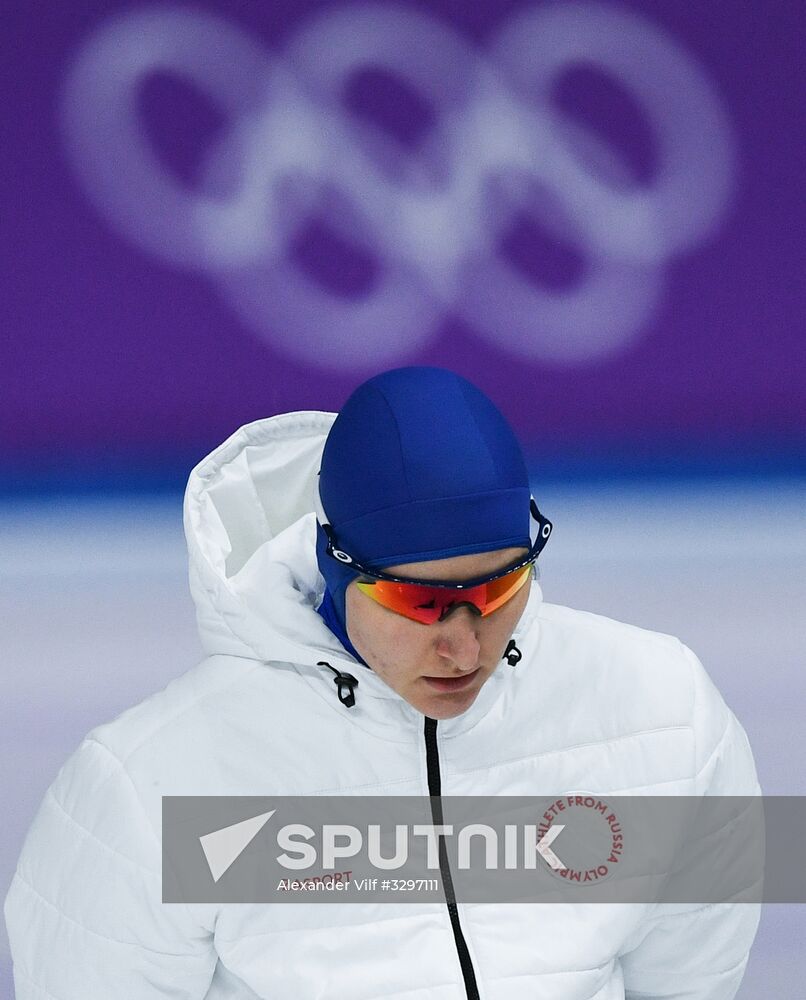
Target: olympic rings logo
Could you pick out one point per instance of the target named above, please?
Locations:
(432, 232)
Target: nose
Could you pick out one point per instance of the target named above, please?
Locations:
(457, 641)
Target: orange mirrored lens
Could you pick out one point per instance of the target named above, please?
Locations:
(426, 604)
(500, 591)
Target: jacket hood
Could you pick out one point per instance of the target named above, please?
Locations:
(251, 533)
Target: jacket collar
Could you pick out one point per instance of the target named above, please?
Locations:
(377, 707)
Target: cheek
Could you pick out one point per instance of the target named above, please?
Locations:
(358, 617)
(518, 605)
(387, 639)
(499, 626)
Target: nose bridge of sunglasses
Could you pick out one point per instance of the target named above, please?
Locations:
(449, 607)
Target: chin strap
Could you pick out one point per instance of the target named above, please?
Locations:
(346, 684)
(512, 654)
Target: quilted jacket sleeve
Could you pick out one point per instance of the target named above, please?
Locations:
(700, 952)
(84, 913)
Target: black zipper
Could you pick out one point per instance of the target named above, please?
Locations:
(435, 791)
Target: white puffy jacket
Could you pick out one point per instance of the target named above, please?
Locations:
(593, 704)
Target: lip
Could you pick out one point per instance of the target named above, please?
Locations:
(453, 683)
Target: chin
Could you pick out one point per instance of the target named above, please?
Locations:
(449, 706)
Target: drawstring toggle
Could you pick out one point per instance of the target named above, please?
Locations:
(512, 654)
(345, 683)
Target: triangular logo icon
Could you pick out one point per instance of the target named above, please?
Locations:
(223, 847)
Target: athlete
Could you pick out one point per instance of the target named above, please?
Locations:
(367, 598)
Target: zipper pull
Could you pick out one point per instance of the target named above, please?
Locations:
(346, 684)
(512, 654)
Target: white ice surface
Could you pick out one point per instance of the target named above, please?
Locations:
(95, 615)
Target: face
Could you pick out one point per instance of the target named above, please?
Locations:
(439, 668)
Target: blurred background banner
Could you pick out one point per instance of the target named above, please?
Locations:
(216, 211)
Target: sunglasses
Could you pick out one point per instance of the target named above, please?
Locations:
(429, 601)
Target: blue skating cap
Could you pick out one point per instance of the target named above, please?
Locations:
(419, 464)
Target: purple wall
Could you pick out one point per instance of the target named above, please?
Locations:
(220, 211)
